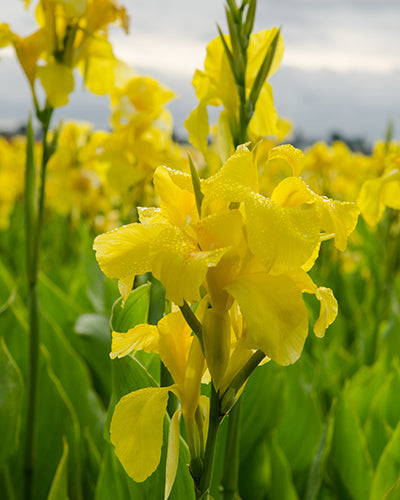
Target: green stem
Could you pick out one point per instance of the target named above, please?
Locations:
(230, 478)
(229, 397)
(34, 223)
(192, 321)
(203, 490)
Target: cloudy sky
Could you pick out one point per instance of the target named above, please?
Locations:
(340, 72)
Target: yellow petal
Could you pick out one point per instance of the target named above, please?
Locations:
(235, 179)
(328, 310)
(258, 46)
(140, 338)
(174, 344)
(177, 204)
(6, 35)
(28, 51)
(198, 128)
(292, 191)
(328, 303)
(338, 217)
(292, 156)
(125, 286)
(275, 315)
(335, 217)
(370, 202)
(124, 252)
(265, 118)
(58, 82)
(137, 430)
(180, 266)
(172, 454)
(281, 238)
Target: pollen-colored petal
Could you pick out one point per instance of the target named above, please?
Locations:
(275, 315)
(237, 177)
(58, 82)
(292, 156)
(137, 430)
(174, 344)
(180, 266)
(198, 128)
(328, 311)
(281, 238)
(140, 338)
(328, 303)
(124, 251)
(177, 205)
(172, 454)
(125, 285)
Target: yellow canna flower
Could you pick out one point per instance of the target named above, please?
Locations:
(243, 247)
(71, 33)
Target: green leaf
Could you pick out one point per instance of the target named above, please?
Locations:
(387, 474)
(59, 486)
(263, 72)
(94, 343)
(196, 185)
(281, 487)
(133, 312)
(11, 392)
(350, 453)
(319, 464)
(301, 413)
(55, 419)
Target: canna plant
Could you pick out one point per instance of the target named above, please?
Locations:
(234, 264)
(241, 260)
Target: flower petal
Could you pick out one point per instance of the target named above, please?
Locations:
(58, 82)
(141, 337)
(172, 454)
(275, 315)
(124, 252)
(180, 266)
(137, 430)
(174, 344)
(281, 238)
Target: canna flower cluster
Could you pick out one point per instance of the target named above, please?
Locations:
(242, 259)
(70, 35)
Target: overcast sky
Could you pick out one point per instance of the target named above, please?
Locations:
(340, 72)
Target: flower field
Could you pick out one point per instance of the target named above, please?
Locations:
(217, 319)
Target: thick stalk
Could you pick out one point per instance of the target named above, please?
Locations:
(203, 490)
(230, 478)
(34, 223)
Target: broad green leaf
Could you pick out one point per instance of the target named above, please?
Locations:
(59, 486)
(301, 413)
(94, 343)
(281, 487)
(55, 419)
(350, 453)
(387, 474)
(133, 312)
(11, 393)
(74, 376)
